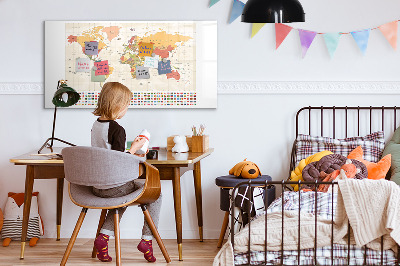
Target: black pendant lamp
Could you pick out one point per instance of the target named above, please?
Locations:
(273, 11)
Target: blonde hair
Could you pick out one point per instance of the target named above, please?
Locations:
(113, 97)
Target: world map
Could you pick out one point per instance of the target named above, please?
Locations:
(144, 56)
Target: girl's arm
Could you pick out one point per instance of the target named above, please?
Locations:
(136, 145)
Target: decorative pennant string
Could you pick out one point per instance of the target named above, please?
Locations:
(332, 41)
(281, 31)
(256, 27)
(213, 2)
(306, 39)
(389, 30)
(237, 8)
(361, 38)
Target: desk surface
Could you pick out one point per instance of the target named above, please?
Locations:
(164, 157)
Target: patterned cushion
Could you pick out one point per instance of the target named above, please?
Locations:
(372, 144)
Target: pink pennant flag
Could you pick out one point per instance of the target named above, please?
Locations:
(389, 30)
(306, 39)
(281, 31)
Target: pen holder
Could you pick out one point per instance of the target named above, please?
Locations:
(200, 143)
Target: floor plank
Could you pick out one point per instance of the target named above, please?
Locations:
(50, 252)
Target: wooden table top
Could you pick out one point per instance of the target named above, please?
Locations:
(164, 157)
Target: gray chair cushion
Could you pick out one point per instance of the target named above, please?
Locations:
(84, 196)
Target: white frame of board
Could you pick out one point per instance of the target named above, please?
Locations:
(206, 61)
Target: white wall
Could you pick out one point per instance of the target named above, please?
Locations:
(257, 127)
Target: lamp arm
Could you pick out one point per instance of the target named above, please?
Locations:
(54, 126)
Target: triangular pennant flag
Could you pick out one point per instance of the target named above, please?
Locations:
(306, 39)
(281, 31)
(213, 2)
(390, 32)
(361, 37)
(332, 41)
(255, 28)
(237, 8)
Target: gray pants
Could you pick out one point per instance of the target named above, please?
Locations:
(154, 208)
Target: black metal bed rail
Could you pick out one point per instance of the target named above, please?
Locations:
(264, 185)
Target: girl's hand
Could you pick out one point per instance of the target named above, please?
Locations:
(143, 155)
(137, 144)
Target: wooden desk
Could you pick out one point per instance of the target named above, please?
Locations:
(171, 167)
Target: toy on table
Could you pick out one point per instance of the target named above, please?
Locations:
(180, 144)
(13, 215)
(245, 169)
(144, 134)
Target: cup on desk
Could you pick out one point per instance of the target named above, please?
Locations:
(152, 155)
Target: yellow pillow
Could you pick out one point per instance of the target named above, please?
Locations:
(296, 174)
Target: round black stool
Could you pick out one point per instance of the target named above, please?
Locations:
(228, 182)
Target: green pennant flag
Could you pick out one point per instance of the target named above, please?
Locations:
(213, 2)
(256, 27)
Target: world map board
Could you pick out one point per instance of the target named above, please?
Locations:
(155, 60)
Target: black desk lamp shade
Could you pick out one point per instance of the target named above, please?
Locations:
(63, 97)
(273, 11)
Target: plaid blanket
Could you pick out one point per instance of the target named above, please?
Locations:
(324, 257)
(323, 205)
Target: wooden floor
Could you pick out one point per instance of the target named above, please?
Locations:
(50, 252)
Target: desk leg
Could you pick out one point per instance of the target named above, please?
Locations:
(60, 190)
(27, 206)
(199, 204)
(176, 182)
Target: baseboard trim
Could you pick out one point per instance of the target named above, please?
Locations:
(259, 87)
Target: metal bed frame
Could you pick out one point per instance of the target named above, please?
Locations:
(284, 184)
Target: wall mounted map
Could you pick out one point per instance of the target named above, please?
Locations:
(164, 64)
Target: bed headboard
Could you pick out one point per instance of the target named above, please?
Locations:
(344, 121)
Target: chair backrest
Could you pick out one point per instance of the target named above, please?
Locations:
(91, 166)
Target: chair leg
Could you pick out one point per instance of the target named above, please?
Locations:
(101, 222)
(154, 230)
(117, 239)
(223, 229)
(73, 237)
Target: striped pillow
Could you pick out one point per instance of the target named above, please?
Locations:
(372, 145)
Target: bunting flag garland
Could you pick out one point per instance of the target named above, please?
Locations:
(213, 2)
(237, 8)
(306, 39)
(256, 27)
(281, 31)
(332, 41)
(361, 38)
(389, 30)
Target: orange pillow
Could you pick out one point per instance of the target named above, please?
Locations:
(375, 170)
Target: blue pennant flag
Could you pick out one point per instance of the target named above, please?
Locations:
(361, 38)
(332, 41)
(213, 2)
(237, 9)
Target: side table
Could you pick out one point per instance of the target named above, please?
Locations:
(226, 183)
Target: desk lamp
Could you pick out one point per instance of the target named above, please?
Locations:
(63, 97)
(273, 11)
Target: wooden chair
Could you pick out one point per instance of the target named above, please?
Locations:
(85, 167)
